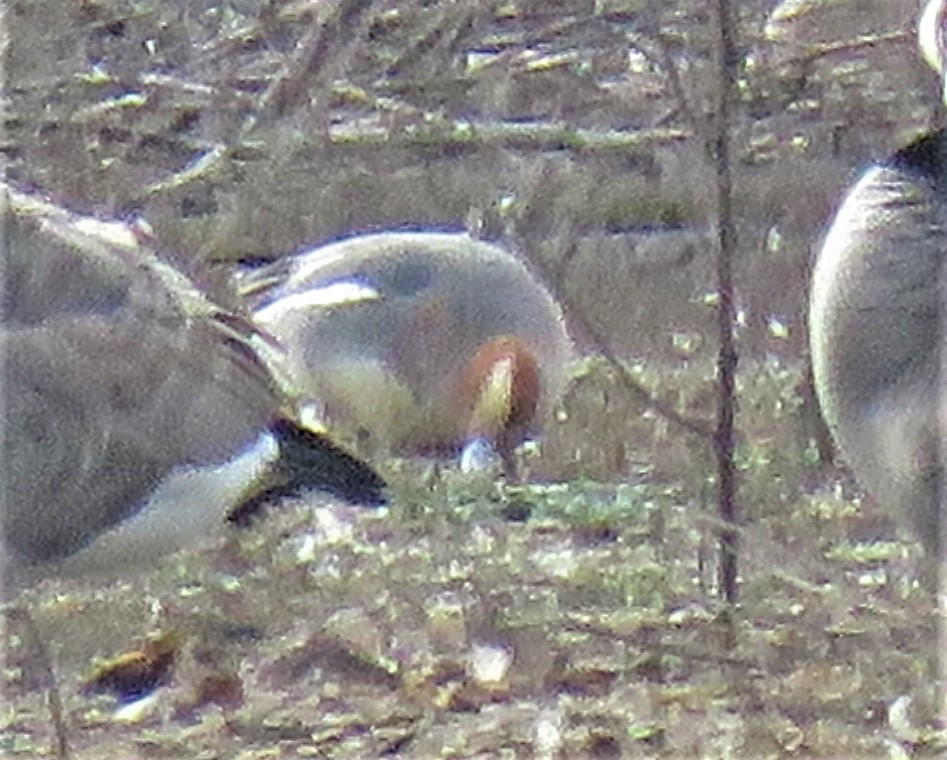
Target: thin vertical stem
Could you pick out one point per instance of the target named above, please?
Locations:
(727, 358)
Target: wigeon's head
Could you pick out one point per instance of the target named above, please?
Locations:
(498, 394)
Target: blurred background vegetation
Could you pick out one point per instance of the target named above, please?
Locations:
(574, 132)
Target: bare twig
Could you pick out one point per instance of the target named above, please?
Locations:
(724, 440)
(845, 47)
(20, 614)
(310, 55)
(601, 344)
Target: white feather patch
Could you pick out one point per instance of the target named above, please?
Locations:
(339, 293)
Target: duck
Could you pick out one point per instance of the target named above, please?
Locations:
(877, 329)
(417, 342)
(137, 412)
(875, 324)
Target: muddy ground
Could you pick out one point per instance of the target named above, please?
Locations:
(578, 616)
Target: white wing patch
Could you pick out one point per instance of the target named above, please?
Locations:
(339, 293)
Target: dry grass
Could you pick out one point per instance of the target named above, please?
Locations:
(328, 634)
(352, 634)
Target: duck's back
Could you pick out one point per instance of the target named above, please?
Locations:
(877, 316)
(108, 385)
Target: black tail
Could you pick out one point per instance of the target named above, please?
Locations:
(309, 461)
(313, 461)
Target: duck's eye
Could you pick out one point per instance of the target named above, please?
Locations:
(408, 278)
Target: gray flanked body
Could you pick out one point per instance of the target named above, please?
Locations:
(108, 387)
(379, 326)
(135, 412)
(877, 329)
(878, 332)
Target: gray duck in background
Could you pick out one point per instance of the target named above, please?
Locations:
(136, 413)
(878, 331)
